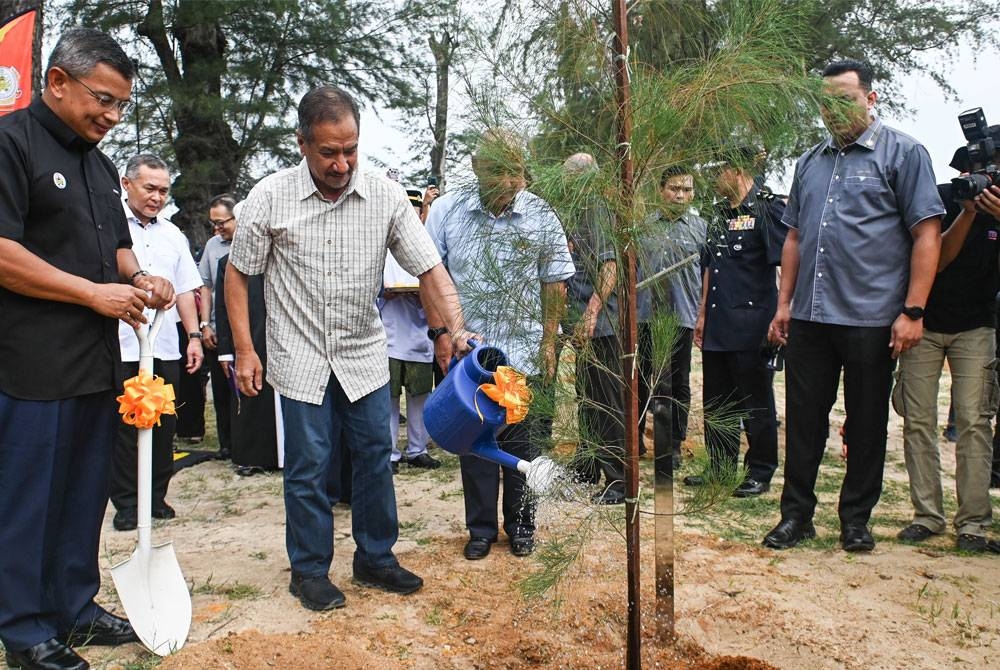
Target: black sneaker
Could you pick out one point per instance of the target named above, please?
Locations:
(316, 593)
(423, 460)
(393, 578)
(915, 532)
(127, 518)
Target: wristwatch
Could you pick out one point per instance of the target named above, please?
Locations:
(194, 336)
(914, 312)
(434, 333)
(203, 325)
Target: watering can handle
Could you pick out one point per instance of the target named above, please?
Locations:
(473, 343)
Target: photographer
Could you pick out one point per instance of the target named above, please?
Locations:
(959, 326)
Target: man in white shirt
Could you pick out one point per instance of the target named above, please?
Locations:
(161, 249)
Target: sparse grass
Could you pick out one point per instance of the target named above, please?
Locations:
(231, 590)
(146, 661)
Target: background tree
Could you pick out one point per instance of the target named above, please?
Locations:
(219, 80)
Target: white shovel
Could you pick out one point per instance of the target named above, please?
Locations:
(150, 583)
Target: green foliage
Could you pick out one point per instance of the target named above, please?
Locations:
(219, 79)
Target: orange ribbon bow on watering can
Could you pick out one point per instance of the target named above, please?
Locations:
(510, 391)
(146, 397)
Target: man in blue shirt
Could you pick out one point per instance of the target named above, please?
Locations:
(507, 255)
(864, 220)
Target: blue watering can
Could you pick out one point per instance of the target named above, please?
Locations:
(463, 420)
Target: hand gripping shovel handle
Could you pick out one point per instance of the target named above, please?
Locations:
(144, 480)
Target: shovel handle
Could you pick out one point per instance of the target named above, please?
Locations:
(144, 469)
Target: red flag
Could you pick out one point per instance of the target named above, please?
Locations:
(16, 36)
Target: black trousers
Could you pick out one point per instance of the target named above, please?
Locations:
(222, 400)
(738, 382)
(599, 394)
(813, 359)
(54, 460)
(190, 393)
(672, 397)
(481, 479)
(125, 460)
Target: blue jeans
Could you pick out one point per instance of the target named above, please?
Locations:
(313, 446)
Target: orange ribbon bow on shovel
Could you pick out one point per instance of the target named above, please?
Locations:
(510, 390)
(146, 397)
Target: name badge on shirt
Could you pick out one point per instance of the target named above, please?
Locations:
(991, 235)
(742, 222)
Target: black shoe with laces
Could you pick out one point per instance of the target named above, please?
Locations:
(393, 578)
(316, 593)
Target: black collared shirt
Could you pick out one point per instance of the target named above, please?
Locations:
(60, 198)
(744, 247)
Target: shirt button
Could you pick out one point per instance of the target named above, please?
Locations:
(716, 271)
(329, 241)
(819, 274)
(718, 253)
(824, 224)
(830, 200)
(750, 302)
(821, 249)
(100, 227)
(328, 273)
(107, 264)
(713, 305)
(836, 176)
(714, 287)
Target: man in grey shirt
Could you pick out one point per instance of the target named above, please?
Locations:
(864, 219)
(681, 236)
(319, 232)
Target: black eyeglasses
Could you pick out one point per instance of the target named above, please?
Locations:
(220, 224)
(105, 100)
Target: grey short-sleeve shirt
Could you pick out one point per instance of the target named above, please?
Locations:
(853, 209)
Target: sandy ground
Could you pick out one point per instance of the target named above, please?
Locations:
(811, 607)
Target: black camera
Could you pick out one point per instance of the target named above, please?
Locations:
(983, 140)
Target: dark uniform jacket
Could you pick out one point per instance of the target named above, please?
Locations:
(744, 247)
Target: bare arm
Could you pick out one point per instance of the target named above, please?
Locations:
(208, 334)
(188, 311)
(25, 273)
(906, 332)
(953, 239)
(249, 371)
(553, 304)
(778, 331)
(607, 281)
(441, 305)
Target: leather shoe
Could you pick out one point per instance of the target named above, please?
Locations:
(915, 532)
(788, 533)
(162, 510)
(856, 537)
(522, 545)
(127, 518)
(394, 578)
(694, 480)
(424, 460)
(750, 488)
(316, 593)
(976, 544)
(106, 630)
(609, 496)
(477, 548)
(49, 655)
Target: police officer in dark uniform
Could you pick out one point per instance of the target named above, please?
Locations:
(739, 296)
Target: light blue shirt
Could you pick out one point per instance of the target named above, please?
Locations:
(853, 209)
(498, 264)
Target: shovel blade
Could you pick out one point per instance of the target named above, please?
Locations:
(155, 597)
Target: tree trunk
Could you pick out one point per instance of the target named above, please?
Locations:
(443, 50)
(207, 153)
(9, 8)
